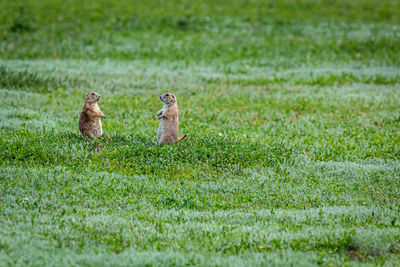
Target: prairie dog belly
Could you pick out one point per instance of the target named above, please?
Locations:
(97, 129)
(160, 130)
(162, 121)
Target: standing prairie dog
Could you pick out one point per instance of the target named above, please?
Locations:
(89, 120)
(169, 120)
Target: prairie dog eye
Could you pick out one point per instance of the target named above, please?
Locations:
(167, 94)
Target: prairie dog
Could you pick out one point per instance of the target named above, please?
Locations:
(169, 121)
(89, 120)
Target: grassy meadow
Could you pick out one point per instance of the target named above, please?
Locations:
(292, 110)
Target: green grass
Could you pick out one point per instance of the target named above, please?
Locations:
(293, 121)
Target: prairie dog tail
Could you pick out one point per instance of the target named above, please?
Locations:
(181, 138)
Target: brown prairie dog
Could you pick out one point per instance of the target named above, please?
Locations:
(169, 120)
(89, 120)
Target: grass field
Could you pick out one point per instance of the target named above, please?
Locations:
(292, 110)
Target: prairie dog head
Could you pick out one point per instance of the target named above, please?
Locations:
(168, 98)
(92, 98)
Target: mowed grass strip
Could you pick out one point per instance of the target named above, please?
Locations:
(347, 209)
(199, 155)
(280, 34)
(298, 183)
(139, 155)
